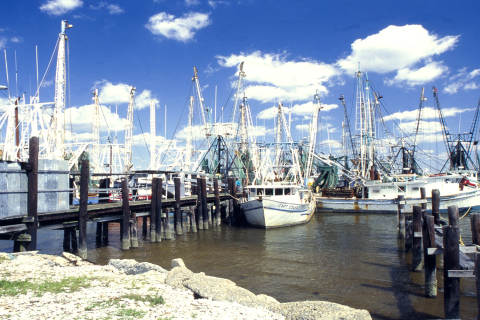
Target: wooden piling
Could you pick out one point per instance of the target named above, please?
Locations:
(401, 217)
(126, 216)
(153, 211)
(477, 280)
(204, 203)
(134, 230)
(66, 239)
(408, 233)
(217, 202)
(451, 258)
(73, 236)
(105, 233)
(144, 226)
(83, 214)
(475, 225)
(209, 214)
(430, 261)
(417, 239)
(453, 216)
(99, 232)
(436, 205)
(178, 208)
(188, 217)
(158, 212)
(166, 224)
(192, 219)
(32, 194)
(199, 204)
(423, 196)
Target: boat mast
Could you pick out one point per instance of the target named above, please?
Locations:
(129, 132)
(312, 135)
(153, 136)
(96, 128)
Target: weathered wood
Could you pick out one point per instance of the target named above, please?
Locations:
(99, 232)
(158, 208)
(453, 216)
(105, 233)
(436, 205)
(199, 204)
(153, 211)
(82, 214)
(178, 209)
(217, 202)
(13, 228)
(134, 229)
(166, 224)
(73, 236)
(451, 258)
(32, 194)
(475, 226)
(144, 226)
(126, 216)
(461, 274)
(204, 203)
(477, 280)
(423, 196)
(192, 219)
(66, 240)
(408, 233)
(417, 242)
(430, 261)
(401, 218)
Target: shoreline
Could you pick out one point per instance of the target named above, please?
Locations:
(39, 286)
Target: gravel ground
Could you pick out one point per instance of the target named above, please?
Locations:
(53, 287)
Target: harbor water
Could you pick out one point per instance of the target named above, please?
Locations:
(351, 259)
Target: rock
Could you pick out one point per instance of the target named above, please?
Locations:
(130, 266)
(71, 257)
(144, 267)
(264, 299)
(178, 263)
(177, 276)
(313, 310)
(26, 253)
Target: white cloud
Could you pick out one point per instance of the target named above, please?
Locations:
(413, 77)
(114, 9)
(305, 110)
(59, 7)
(427, 113)
(141, 139)
(272, 77)
(82, 119)
(181, 29)
(214, 4)
(268, 113)
(3, 42)
(120, 93)
(192, 2)
(463, 79)
(16, 39)
(400, 48)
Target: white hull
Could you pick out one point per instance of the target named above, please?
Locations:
(463, 201)
(278, 211)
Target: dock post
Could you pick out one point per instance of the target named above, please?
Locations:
(105, 233)
(204, 204)
(153, 211)
(83, 214)
(73, 236)
(166, 226)
(192, 219)
(134, 230)
(144, 226)
(32, 202)
(408, 233)
(476, 259)
(423, 196)
(199, 203)
(417, 239)
(178, 207)
(430, 261)
(217, 202)
(66, 240)
(451, 258)
(126, 216)
(99, 232)
(210, 214)
(401, 217)
(231, 186)
(158, 212)
(436, 205)
(453, 216)
(475, 225)
(188, 217)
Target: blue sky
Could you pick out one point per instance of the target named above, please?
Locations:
(290, 49)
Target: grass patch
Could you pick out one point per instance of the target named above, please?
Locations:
(131, 313)
(12, 288)
(154, 300)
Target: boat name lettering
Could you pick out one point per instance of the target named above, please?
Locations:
(388, 187)
(292, 207)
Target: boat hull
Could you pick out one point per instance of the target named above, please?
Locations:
(463, 201)
(271, 213)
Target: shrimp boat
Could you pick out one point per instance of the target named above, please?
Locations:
(273, 206)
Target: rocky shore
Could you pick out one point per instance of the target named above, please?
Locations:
(38, 286)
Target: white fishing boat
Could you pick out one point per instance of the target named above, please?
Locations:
(273, 206)
(459, 189)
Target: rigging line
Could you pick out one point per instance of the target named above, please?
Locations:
(48, 69)
(68, 72)
(181, 115)
(141, 128)
(223, 108)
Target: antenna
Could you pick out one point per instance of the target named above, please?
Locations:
(6, 67)
(36, 54)
(16, 75)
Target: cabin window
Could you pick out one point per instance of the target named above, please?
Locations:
(375, 190)
(402, 188)
(415, 188)
(278, 192)
(253, 191)
(287, 191)
(269, 192)
(260, 192)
